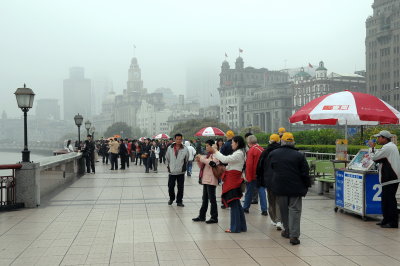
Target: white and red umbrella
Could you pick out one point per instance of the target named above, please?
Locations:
(161, 136)
(209, 132)
(346, 108)
(142, 139)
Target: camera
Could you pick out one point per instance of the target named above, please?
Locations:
(212, 164)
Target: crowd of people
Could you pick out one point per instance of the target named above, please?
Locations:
(277, 177)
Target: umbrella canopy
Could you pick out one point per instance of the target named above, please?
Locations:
(346, 108)
(210, 131)
(117, 136)
(161, 136)
(142, 139)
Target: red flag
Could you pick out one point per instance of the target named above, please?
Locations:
(240, 50)
(309, 65)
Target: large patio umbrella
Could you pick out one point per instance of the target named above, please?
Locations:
(346, 108)
(209, 132)
(161, 136)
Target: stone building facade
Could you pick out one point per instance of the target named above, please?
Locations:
(240, 83)
(382, 45)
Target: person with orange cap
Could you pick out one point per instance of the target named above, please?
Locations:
(261, 174)
(288, 177)
(226, 149)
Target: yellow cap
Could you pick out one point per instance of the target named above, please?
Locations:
(287, 137)
(274, 137)
(230, 134)
(281, 130)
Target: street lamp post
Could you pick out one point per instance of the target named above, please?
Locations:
(78, 122)
(25, 98)
(88, 124)
(92, 131)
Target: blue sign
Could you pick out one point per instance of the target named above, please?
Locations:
(373, 193)
(339, 195)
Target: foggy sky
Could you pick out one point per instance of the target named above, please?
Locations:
(40, 40)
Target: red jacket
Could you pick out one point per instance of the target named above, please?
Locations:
(129, 148)
(252, 157)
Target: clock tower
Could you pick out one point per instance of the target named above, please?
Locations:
(135, 82)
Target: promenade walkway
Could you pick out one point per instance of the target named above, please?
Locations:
(122, 218)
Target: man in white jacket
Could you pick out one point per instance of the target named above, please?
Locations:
(389, 172)
(192, 153)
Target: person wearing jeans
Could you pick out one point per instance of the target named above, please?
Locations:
(210, 182)
(252, 158)
(192, 153)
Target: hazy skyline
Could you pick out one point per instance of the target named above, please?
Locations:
(41, 39)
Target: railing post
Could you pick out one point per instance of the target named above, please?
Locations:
(28, 185)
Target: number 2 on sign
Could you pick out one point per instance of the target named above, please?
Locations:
(377, 196)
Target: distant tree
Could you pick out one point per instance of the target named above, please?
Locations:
(117, 128)
(190, 127)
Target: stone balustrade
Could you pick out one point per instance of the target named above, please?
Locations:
(37, 179)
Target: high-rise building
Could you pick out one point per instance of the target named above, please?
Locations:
(382, 45)
(200, 85)
(77, 94)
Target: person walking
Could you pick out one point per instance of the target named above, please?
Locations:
(88, 153)
(146, 154)
(192, 153)
(154, 154)
(177, 157)
(389, 172)
(209, 182)
(123, 154)
(252, 157)
(289, 173)
(138, 155)
(232, 180)
(104, 151)
(114, 150)
(273, 208)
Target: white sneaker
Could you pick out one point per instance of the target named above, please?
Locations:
(273, 223)
(279, 226)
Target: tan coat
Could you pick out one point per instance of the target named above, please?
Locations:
(114, 146)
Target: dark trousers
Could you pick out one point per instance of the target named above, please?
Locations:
(138, 158)
(290, 208)
(146, 163)
(154, 162)
(123, 160)
(209, 195)
(172, 179)
(89, 159)
(105, 158)
(389, 205)
(127, 160)
(238, 221)
(114, 161)
(162, 157)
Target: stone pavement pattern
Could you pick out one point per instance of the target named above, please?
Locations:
(122, 218)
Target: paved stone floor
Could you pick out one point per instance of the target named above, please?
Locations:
(122, 218)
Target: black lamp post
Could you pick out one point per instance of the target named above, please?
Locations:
(25, 98)
(92, 131)
(88, 124)
(78, 122)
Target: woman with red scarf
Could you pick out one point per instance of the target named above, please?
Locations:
(232, 179)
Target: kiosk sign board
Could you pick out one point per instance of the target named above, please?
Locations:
(353, 191)
(373, 192)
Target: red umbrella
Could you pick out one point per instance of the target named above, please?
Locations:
(161, 136)
(210, 131)
(346, 108)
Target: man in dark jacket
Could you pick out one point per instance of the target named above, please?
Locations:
(88, 153)
(288, 175)
(123, 154)
(261, 175)
(226, 149)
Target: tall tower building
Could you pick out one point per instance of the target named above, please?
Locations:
(135, 82)
(77, 95)
(382, 44)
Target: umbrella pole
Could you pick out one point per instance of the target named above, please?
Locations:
(345, 130)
